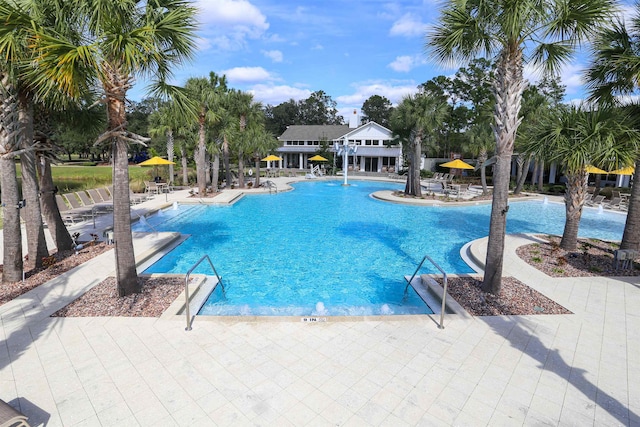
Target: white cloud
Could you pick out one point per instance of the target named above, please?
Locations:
(317, 46)
(571, 76)
(408, 25)
(274, 94)
(247, 75)
(406, 63)
(274, 55)
(393, 90)
(228, 23)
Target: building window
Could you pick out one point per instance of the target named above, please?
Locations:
(368, 142)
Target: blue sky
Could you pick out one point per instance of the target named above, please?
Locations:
(283, 49)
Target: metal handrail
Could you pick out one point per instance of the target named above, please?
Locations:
(186, 287)
(444, 294)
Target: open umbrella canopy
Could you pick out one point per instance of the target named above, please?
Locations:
(271, 158)
(629, 170)
(156, 161)
(593, 169)
(456, 164)
(317, 158)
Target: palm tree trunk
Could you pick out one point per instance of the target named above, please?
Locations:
(184, 160)
(240, 171)
(412, 188)
(126, 275)
(257, 171)
(216, 173)
(482, 158)
(534, 176)
(50, 211)
(225, 160)
(541, 176)
(12, 235)
(36, 243)
(201, 172)
(631, 235)
(574, 201)
(508, 93)
(170, 152)
(523, 167)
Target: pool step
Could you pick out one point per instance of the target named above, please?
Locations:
(425, 294)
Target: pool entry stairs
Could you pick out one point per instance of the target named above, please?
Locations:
(426, 292)
(211, 282)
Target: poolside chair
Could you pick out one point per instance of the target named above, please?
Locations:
(614, 203)
(150, 187)
(596, 201)
(11, 417)
(76, 207)
(100, 205)
(104, 193)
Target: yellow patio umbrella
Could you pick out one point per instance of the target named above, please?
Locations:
(456, 164)
(155, 162)
(593, 169)
(317, 158)
(629, 170)
(271, 158)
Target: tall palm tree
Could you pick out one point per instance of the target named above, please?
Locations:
(9, 147)
(249, 112)
(207, 93)
(614, 73)
(415, 121)
(511, 31)
(576, 138)
(119, 41)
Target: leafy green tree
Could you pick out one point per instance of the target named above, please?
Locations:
(614, 74)
(413, 122)
(319, 109)
(114, 42)
(576, 138)
(281, 116)
(207, 93)
(510, 31)
(377, 109)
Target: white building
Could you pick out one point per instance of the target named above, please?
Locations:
(373, 154)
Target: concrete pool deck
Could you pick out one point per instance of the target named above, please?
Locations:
(578, 369)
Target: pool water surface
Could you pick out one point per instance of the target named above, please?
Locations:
(326, 249)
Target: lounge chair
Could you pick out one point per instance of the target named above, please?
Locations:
(104, 193)
(11, 417)
(99, 204)
(76, 208)
(614, 203)
(596, 201)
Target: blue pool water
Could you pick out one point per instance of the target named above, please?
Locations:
(325, 249)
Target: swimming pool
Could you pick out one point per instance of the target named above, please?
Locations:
(326, 249)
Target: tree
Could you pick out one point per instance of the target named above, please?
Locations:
(613, 74)
(575, 138)
(9, 147)
(120, 40)
(510, 31)
(377, 109)
(281, 116)
(413, 122)
(319, 109)
(207, 92)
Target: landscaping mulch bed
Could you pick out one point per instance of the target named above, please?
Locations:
(515, 298)
(102, 300)
(592, 258)
(55, 265)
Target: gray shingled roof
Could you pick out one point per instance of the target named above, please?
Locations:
(314, 132)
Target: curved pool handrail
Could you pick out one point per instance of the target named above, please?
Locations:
(186, 286)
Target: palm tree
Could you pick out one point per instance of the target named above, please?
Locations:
(576, 138)
(207, 93)
(414, 121)
(615, 72)
(9, 146)
(120, 40)
(510, 31)
(242, 105)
